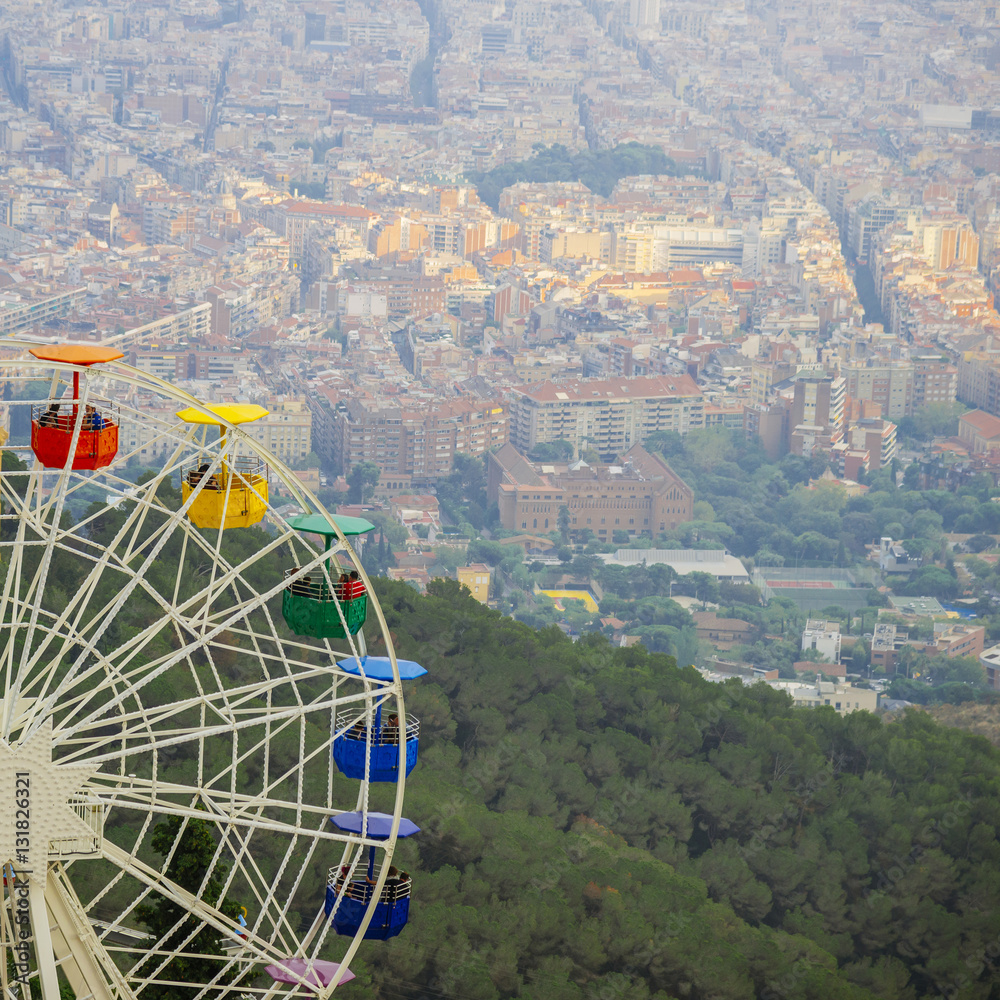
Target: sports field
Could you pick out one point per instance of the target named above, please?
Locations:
(806, 586)
(572, 595)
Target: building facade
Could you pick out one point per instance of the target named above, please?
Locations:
(477, 578)
(642, 494)
(607, 415)
(411, 444)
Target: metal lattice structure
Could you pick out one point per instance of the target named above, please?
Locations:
(148, 679)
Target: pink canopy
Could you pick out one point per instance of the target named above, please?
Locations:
(320, 973)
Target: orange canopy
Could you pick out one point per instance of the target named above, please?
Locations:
(76, 354)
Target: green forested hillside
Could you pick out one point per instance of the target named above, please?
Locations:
(600, 824)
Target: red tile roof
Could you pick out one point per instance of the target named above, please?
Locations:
(984, 424)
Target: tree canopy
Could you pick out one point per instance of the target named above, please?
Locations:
(598, 822)
(598, 169)
(191, 848)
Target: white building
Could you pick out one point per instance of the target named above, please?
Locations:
(716, 562)
(843, 698)
(644, 13)
(824, 637)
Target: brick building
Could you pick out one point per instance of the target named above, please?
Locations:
(641, 494)
(980, 431)
(953, 639)
(413, 443)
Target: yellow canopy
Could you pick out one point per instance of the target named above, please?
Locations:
(232, 413)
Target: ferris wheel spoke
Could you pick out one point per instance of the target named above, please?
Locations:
(268, 910)
(274, 722)
(253, 813)
(193, 905)
(238, 700)
(80, 600)
(41, 576)
(132, 649)
(236, 705)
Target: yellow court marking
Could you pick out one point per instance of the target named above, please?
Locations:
(573, 595)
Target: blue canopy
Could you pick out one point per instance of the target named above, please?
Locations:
(379, 824)
(379, 668)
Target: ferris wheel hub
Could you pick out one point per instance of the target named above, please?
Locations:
(43, 811)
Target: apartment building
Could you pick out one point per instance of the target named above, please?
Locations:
(187, 325)
(292, 220)
(871, 436)
(934, 381)
(887, 641)
(476, 577)
(413, 443)
(866, 219)
(607, 415)
(842, 698)
(286, 431)
(888, 383)
(979, 381)
(816, 420)
(174, 362)
(824, 637)
(954, 639)
(18, 316)
(641, 494)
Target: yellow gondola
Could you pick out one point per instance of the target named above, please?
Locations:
(234, 494)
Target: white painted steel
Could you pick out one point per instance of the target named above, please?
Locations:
(204, 708)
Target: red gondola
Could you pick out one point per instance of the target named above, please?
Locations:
(53, 422)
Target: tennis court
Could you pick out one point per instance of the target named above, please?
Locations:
(810, 588)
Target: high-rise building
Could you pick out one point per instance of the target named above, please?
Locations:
(644, 13)
(816, 421)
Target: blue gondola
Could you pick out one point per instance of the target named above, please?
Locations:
(376, 757)
(392, 909)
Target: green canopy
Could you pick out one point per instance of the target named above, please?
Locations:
(316, 524)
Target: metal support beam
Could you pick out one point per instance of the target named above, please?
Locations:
(43, 941)
(80, 955)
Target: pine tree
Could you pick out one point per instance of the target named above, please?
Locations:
(191, 861)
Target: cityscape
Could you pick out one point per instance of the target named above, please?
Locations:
(636, 364)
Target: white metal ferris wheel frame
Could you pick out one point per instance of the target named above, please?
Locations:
(55, 897)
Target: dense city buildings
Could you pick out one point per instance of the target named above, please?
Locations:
(287, 204)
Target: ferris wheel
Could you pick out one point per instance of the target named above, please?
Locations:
(203, 739)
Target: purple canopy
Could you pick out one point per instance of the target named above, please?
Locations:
(379, 824)
(320, 973)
